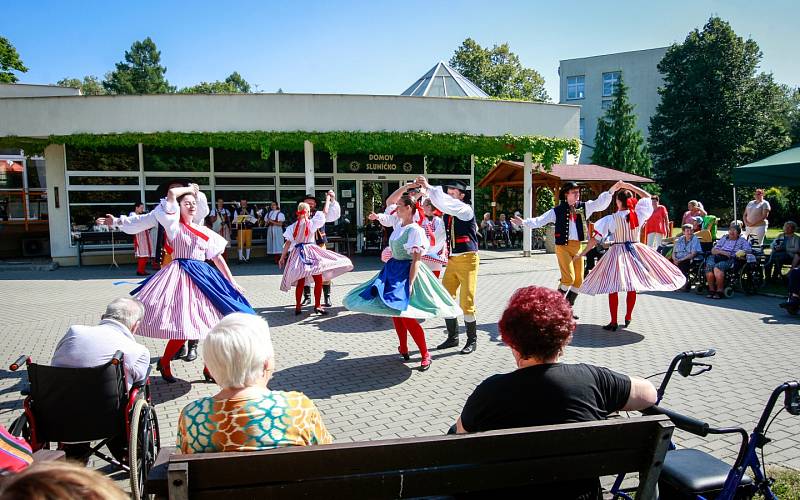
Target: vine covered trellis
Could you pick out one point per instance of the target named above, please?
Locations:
(545, 150)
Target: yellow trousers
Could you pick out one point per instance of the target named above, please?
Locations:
(244, 238)
(462, 272)
(571, 271)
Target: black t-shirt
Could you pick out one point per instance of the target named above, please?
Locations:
(545, 395)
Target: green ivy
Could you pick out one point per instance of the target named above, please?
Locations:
(545, 150)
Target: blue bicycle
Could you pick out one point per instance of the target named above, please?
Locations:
(686, 366)
(690, 473)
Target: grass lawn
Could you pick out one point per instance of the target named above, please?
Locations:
(787, 483)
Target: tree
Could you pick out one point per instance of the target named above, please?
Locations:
(715, 113)
(498, 72)
(9, 62)
(793, 113)
(140, 73)
(234, 84)
(90, 85)
(619, 143)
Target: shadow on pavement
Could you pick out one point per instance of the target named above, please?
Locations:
(594, 336)
(336, 374)
(353, 323)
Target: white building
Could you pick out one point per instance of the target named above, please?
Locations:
(589, 82)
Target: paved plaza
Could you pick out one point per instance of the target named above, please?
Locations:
(348, 363)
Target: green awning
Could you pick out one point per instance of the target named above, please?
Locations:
(782, 169)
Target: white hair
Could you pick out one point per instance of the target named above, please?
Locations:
(237, 350)
(126, 310)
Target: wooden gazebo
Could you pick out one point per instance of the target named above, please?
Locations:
(508, 174)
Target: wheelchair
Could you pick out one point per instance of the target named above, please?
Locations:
(745, 275)
(80, 405)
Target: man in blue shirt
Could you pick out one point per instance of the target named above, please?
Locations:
(687, 246)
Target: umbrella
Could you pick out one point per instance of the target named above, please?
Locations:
(782, 169)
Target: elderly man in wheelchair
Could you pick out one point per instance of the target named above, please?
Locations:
(96, 394)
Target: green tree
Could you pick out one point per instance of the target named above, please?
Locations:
(619, 143)
(793, 113)
(140, 73)
(90, 85)
(9, 62)
(715, 113)
(498, 72)
(234, 84)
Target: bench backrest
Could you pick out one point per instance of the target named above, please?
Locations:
(441, 465)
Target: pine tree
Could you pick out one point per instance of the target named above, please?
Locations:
(619, 144)
(140, 73)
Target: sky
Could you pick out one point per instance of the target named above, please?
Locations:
(368, 47)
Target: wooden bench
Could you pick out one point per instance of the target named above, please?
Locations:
(408, 468)
(101, 241)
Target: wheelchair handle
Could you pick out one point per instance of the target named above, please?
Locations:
(700, 354)
(682, 358)
(683, 422)
(24, 359)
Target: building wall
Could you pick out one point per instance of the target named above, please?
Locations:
(60, 243)
(640, 73)
(26, 90)
(35, 117)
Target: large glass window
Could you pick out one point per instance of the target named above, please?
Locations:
(176, 160)
(244, 181)
(323, 163)
(289, 200)
(104, 159)
(291, 162)
(610, 81)
(36, 173)
(293, 181)
(37, 205)
(605, 104)
(582, 129)
(157, 180)
(253, 196)
(104, 180)
(576, 86)
(228, 160)
(11, 174)
(460, 165)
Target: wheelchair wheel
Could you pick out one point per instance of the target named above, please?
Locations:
(21, 427)
(728, 292)
(701, 288)
(143, 445)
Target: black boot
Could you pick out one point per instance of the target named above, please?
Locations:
(326, 291)
(306, 295)
(472, 338)
(452, 334)
(180, 354)
(191, 355)
(571, 296)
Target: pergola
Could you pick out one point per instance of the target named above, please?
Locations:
(509, 174)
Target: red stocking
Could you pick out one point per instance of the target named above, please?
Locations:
(317, 289)
(173, 346)
(402, 334)
(630, 302)
(418, 334)
(298, 293)
(613, 304)
(141, 265)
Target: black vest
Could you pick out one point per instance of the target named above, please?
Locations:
(319, 235)
(462, 235)
(562, 222)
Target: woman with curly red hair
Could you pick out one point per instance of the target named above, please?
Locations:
(537, 325)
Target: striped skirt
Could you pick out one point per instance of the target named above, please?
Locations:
(632, 267)
(308, 259)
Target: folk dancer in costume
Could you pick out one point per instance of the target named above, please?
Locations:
(187, 298)
(221, 221)
(570, 217)
(403, 289)
(463, 259)
(629, 265)
(307, 258)
(321, 238)
(244, 227)
(142, 245)
(275, 220)
(162, 250)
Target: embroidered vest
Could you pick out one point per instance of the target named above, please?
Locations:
(562, 212)
(462, 235)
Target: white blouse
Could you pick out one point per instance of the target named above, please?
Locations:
(316, 222)
(608, 224)
(417, 239)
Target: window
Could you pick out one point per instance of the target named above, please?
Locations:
(292, 162)
(228, 160)
(605, 104)
(610, 81)
(103, 159)
(576, 86)
(582, 129)
(176, 160)
(448, 165)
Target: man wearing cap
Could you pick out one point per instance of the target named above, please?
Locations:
(321, 238)
(463, 261)
(570, 217)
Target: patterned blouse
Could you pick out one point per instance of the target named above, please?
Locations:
(269, 421)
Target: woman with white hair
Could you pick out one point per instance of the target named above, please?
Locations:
(245, 415)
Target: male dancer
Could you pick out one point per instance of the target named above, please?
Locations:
(244, 235)
(135, 224)
(570, 218)
(463, 261)
(334, 212)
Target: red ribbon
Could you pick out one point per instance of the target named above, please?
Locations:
(194, 231)
(632, 217)
(297, 226)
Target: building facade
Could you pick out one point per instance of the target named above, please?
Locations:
(589, 82)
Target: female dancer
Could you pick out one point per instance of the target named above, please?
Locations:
(436, 258)
(307, 259)
(403, 289)
(142, 244)
(628, 266)
(275, 220)
(187, 297)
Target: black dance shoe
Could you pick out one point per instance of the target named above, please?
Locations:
(611, 327)
(166, 374)
(191, 354)
(320, 311)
